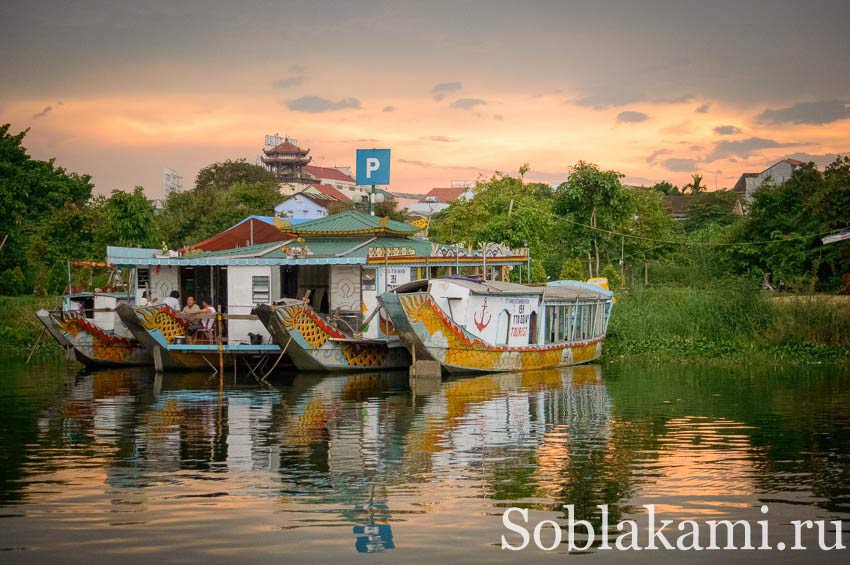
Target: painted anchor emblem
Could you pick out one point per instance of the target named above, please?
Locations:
(481, 323)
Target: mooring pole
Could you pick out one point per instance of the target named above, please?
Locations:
(220, 346)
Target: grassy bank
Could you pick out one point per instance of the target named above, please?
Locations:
(731, 322)
(19, 328)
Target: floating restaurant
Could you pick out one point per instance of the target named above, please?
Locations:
(336, 266)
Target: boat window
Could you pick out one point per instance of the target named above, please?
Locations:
(568, 323)
(577, 322)
(503, 327)
(551, 323)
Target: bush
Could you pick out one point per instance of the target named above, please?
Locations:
(612, 273)
(538, 273)
(572, 269)
(12, 282)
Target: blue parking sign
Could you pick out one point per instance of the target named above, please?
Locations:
(373, 166)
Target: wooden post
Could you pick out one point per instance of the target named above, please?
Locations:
(220, 346)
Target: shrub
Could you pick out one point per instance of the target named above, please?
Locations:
(572, 269)
(612, 273)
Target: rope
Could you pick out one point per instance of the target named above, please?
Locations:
(702, 243)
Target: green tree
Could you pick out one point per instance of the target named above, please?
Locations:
(712, 208)
(572, 269)
(504, 210)
(665, 188)
(30, 191)
(222, 176)
(189, 217)
(695, 186)
(594, 198)
(650, 225)
(130, 219)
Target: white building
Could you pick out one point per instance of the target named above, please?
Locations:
(778, 173)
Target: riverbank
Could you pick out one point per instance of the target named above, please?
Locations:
(19, 328)
(731, 323)
(726, 324)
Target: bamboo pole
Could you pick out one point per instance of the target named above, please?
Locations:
(220, 346)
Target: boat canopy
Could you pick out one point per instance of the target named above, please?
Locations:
(553, 292)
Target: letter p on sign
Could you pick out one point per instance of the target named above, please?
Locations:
(373, 166)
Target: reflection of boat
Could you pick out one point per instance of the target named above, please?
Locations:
(497, 326)
(158, 328)
(315, 345)
(89, 330)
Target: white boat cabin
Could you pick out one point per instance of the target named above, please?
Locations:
(514, 315)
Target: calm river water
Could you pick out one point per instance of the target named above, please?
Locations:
(123, 465)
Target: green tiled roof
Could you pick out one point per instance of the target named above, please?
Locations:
(352, 222)
(248, 251)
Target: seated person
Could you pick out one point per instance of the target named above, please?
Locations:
(207, 325)
(189, 313)
(173, 301)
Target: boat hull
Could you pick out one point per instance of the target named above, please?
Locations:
(157, 326)
(313, 345)
(429, 335)
(91, 346)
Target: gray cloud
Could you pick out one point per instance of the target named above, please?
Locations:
(673, 99)
(630, 117)
(744, 148)
(388, 109)
(727, 130)
(317, 104)
(415, 163)
(444, 88)
(297, 69)
(43, 113)
(703, 109)
(656, 154)
(440, 138)
(820, 112)
(467, 103)
(677, 165)
(289, 82)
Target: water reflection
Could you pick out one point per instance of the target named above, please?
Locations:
(323, 466)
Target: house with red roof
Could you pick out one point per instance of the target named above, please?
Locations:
(438, 199)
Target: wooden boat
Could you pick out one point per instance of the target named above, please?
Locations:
(92, 333)
(315, 345)
(161, 330)
(496, 326)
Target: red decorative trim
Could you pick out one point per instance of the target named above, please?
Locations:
(95, 331)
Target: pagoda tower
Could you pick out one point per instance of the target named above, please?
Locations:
(286, 160)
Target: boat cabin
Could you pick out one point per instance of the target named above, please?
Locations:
(340, 264)
(508, 314)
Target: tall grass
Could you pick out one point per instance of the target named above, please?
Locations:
(819, 320)
(19, 328)
(731, 320)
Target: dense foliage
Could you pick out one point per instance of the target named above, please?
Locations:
(590, 222)
(589, 225)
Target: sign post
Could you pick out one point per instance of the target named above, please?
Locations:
(373, 168)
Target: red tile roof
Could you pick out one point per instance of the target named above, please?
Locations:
(330, 191)
(240, 235)
(444, 195)
(327, 173)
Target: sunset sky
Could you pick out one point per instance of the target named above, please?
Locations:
(655, 89)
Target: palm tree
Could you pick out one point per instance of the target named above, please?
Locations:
(695, 186)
